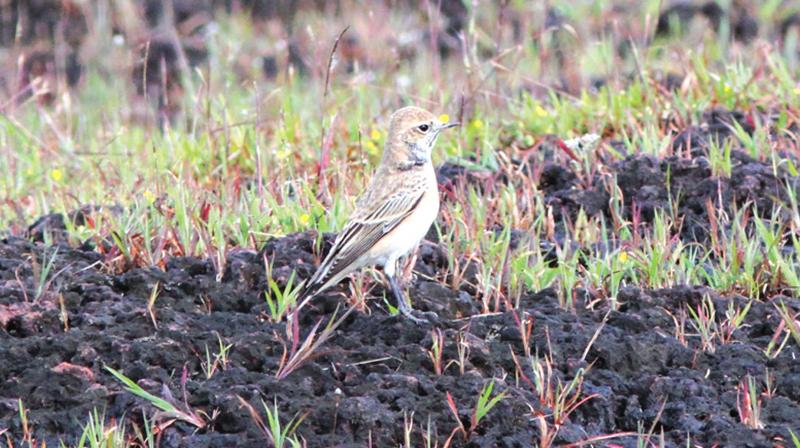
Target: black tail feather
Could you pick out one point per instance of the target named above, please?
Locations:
(308, 291)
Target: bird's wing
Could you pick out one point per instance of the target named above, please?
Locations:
(362, 232)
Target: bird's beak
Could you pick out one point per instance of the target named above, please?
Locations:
(444, 126)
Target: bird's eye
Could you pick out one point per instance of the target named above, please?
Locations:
(424, 127)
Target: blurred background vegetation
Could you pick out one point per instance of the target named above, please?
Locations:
(189, 126)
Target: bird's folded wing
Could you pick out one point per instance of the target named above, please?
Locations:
(363, 231)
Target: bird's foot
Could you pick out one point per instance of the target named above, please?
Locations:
(417, 316)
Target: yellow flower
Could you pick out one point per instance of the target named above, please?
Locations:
(540, 111)
(375, 134)
(371, 146)
(149, 196)
(305, 219)
(444, 118)
(476, 124)
(623, 256)
(726, 88)
(57, 175)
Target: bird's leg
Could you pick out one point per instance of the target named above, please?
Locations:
(402, 304)
(397, 291)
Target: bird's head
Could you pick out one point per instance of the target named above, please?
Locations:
(412, 134)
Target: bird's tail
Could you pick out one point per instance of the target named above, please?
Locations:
(309, 289)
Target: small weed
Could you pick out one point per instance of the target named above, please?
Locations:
(704, 320)
(790, 321)
(168, 407)
(99, 434)
(748, 403)
(280, 435)
(462, 349)
(795, 439)
(561, 399)
(300, 353)
(218, 360)
(42, 272)
(408, 429)
(280, 301)
(484, 404)
(27, 435)
(435, 353)
(151, 304)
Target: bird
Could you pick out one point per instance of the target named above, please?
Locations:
(395, 211)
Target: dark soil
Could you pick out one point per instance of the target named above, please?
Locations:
(375, 370)
(649, 184)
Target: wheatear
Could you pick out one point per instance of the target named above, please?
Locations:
(394, 213)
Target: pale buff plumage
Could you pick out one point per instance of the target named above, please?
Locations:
(396, 210)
